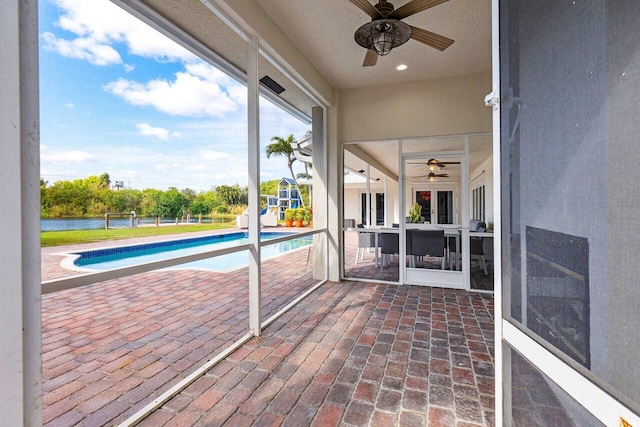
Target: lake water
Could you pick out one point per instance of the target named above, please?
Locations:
(64, 224)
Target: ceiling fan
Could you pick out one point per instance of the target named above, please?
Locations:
(433, 176)
(386, 29)
(435, 164)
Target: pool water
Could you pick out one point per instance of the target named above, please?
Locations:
(107, 259)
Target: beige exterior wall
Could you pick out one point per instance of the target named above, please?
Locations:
(447, 106)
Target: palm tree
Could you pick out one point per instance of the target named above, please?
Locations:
(281, 147)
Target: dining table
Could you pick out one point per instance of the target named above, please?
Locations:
(449, 232)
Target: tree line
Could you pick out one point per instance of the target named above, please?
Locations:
(93, 197)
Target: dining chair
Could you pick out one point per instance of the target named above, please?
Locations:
(476, 251)
(476, 247)
(389, 245)
(366, 240)
(428, 243)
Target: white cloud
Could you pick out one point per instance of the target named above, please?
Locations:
(102, 24)
(147, 130)
(64, 158)
(198, 91)
(176, 134)
(82, 48)
(129, 68)
(213, 155)
(70, 106)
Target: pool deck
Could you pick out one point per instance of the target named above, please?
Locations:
(352, 353)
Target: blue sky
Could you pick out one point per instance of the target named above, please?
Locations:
(118, 97)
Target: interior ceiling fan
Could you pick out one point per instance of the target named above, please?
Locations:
(432, 176)
(386, 29)
(435, 164)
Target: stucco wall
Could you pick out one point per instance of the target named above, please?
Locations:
(445, 106)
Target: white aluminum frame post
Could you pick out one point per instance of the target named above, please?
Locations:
(20, 305)
(253, 117)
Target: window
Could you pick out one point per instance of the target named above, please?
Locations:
(478, 209)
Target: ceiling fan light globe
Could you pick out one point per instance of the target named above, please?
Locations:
(382, 35)
(382, 38)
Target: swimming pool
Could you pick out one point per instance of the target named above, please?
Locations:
(124, 256)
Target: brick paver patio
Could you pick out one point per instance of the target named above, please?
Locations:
(353, 353)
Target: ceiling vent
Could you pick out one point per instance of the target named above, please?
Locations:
(271, 84)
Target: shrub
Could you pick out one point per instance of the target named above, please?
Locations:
(289, 214)
(299, 214)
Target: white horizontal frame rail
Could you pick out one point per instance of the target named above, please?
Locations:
(50, 286)
(291, 237)
(55, 285)
(595, 400)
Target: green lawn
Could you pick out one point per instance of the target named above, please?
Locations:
(57, 238)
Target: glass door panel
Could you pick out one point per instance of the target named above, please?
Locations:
(445, 211)
(379, 209)
(423, 198)
(363, 209)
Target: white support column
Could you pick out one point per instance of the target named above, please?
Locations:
(335, 183)
(466, 253)
(253, 117)
(367, 196)
(319, 201)
(20, 304)
(502, 363)
(386, 203)
(402, 265)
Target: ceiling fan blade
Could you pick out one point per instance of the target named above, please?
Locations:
(414, 7)
(367, 8)
(370, 58)
(442, 175)
(434, 40)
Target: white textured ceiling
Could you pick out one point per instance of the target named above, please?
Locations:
(323, 30)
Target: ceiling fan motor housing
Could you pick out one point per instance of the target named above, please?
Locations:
(384, 7)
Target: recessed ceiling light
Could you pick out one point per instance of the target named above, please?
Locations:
(401, 67)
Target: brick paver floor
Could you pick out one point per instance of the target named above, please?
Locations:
(351, 353)
(112, 347)
(355, 354)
